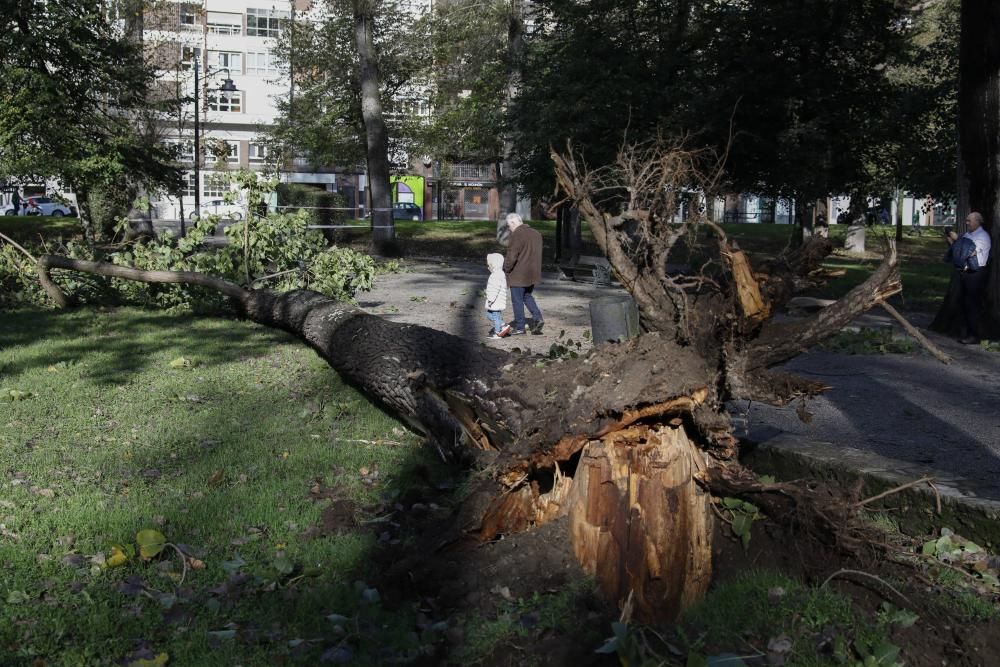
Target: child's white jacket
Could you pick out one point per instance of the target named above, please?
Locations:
(496, 286)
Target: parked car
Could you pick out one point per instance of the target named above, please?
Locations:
(41, 206)
(407, 211)
(222, 209)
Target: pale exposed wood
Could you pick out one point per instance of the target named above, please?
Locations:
(752, 302)
(640, 524)
(919, 337)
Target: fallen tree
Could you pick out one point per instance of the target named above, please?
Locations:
(627, 440)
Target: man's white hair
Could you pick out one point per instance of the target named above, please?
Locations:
(514, 218)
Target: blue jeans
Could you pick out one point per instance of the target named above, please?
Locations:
(521, 297)
(496, 318)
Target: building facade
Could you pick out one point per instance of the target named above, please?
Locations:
(226, 40)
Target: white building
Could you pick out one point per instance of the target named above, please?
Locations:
(228, 39)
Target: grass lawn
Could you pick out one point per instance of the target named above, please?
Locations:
(219, 453)
(31, 227)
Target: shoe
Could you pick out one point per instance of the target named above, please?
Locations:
(969, 340)
(517, 332)
(494, 336)
(505, 331)
(536, 328)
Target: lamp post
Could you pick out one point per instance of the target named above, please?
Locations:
(227, 87)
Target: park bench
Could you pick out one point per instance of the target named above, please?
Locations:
(588, 268)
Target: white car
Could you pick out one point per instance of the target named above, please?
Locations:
(220, 208)
(41, 206)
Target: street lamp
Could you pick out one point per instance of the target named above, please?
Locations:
(227, 87)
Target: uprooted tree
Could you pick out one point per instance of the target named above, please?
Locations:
(629, 440)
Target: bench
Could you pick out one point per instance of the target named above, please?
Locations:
(588, 268)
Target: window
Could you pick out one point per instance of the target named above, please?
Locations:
(257, 153)
(232, 152)
(226, 102)
(215, 186)
(188, 56)
(183, 150)
(224, 23)
(190, 16)
(261, 63)
(265, 22)
(230, 60)
(187, 184)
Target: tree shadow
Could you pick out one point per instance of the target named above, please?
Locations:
(130, 342)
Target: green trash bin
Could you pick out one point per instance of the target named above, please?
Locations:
(613, 318)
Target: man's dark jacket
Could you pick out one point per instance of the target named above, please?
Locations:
(523, 263)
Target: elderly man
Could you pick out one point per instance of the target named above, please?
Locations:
(972, 280)
(523, 266)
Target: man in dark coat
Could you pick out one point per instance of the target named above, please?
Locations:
(523, 266)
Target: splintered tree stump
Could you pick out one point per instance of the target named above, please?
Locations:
(640, 524)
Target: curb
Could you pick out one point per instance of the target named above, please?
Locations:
(973, 516)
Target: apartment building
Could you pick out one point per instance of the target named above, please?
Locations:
(230, 40)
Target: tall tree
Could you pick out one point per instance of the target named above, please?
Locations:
(75, 91)
(979, 148)
(376, 135)
(355, 68)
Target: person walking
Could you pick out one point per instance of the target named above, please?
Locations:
(523, 266)
(970, 255)
(496, 296)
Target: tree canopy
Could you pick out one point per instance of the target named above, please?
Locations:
(75, 98)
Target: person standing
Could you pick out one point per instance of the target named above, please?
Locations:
(15, 200)
(523, 266)
(971, 271)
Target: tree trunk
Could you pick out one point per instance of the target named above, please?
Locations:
(376, 135)
(515, 51)
(979, 141)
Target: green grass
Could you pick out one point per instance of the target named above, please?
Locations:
(32, 227)
(219, 457)
(744, 614)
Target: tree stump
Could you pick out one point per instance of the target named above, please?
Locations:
(640, 524)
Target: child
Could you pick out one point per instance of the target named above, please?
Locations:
(496, 296)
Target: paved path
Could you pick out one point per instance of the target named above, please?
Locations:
(907, 414)
(910, 412)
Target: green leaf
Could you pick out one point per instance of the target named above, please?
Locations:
(160, 660)
(766, 479)
(930, 548)
(151, 542)
(181, 362)
(17, 597)
(231, 566)
(284, 565)
(741, 524)
(731, 503)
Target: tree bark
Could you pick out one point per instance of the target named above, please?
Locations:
(515, 52)
(376, 135)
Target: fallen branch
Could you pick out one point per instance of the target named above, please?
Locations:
(919, 337)
(893, 491)
(18, 246)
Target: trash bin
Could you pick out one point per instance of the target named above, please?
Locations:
(613, 318)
